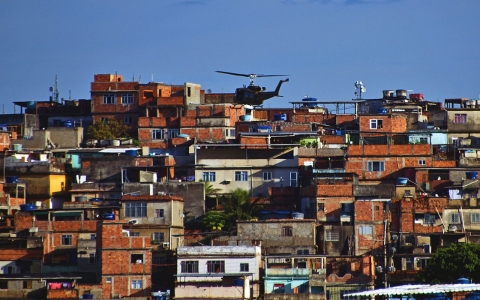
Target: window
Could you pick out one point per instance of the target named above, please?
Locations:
(454, 218)
(108, 279)
(208, 176)
(474, 218)
(189, 266)
(3, 285)
(422, 162)
(134, 233)
(93, 236)
(158, 134)
(215, 266)
(460, 119)
(429, 219)
(294, 179)
(91, 258)
(376, 124)
(320, 206)
(244, 267)
(230, 132)
(159, 213)
(346, 207)
(137, 284)
(127, 120)
(159, 237)
(241, 176)
(108, 99)
(267, 176)
(127, 98)
(331, 236)
(172, 133)
(287, 231)
(136, 209)
(136, 258)
(365, 230)
(66, 240)
(375, 166)
(303, 251)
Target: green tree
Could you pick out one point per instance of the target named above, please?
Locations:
(214, 220)
(209, 189)
(107, 130)
(453, 262)
(238, 206)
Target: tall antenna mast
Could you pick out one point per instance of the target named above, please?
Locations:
(54, 90)
(359, 89)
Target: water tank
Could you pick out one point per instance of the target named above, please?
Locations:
(81, 198)
(68, 124)
(108, 216)
(471, 175)
(31, 104)
(381, 110)
(131, 152)
(27, 207)
(387, 94)
(246, 118)
(402, 180)
(280, 117)
(462, 280)
(297, 215)
(17, 147)
(87, 296)
(11, 179)
(309, 99)
(401, 94)
(238, 282)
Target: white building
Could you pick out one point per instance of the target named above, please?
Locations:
(218, 272)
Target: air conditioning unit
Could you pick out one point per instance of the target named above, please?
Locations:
(452, 228)
(166, 245)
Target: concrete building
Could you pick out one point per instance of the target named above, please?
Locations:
(218, 272)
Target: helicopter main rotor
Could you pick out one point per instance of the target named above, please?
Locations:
(251, 76)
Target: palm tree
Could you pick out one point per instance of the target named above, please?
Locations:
(238, 206)
(209, 189)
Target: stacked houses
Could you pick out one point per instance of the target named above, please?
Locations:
(349, 201)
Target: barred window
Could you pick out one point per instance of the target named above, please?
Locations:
(216, 266)
(136, 209)
(189, 266)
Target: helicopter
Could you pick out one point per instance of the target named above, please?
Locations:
(254, 94)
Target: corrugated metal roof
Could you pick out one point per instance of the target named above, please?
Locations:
(420, 289)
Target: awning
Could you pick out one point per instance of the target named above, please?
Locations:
(71, 213)
(420, 289)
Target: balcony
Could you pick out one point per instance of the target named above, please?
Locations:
(294, 272)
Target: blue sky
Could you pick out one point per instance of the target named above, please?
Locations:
(428, 46)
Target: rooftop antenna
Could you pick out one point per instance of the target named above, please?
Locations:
(359, 89)
(54, 90)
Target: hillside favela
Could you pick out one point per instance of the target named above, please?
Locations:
(169, 191)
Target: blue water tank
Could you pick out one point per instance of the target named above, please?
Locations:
(471, 175)
(27, 207)
(11, 179)
(238, 282)
(309, 99)
(108, 216)
(87, 296)
(402, 181)
(462, 280)
(131, 152)
(280, 117)
(472, 296)
(435, 296)
(381, 110)
(68, 124)
(246, 118)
